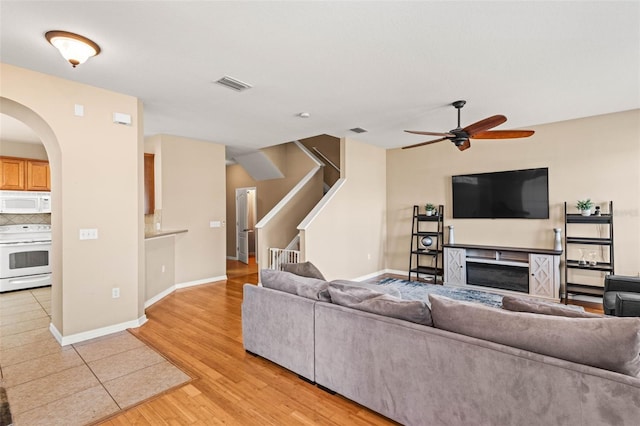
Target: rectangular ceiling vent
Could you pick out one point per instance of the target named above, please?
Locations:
(358, 130)
(234, 84)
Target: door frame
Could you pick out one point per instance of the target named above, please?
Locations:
(254, 211)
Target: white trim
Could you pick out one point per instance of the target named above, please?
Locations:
(323, 202)
(585, 298)
(159, 296)
(380, 272)
(98, 332)
(175, 287)
(309, 154)
(232, 257)
(274, 211)
(200, 282)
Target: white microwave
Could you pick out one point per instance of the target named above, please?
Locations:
(25, 202)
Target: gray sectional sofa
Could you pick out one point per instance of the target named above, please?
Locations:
(424, 375)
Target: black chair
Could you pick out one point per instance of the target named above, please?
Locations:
(621, 296)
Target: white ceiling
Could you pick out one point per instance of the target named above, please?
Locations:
(383, 66)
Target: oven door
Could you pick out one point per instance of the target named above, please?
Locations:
(23, 259)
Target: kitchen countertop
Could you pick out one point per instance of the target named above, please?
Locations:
(163, 233)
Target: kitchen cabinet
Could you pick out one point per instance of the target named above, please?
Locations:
(38, 176)
(149, 184)
(13, 174)
(24, 174)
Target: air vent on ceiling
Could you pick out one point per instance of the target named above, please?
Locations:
(234, 84)
(358, 130)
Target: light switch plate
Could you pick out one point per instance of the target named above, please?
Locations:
(89, 234)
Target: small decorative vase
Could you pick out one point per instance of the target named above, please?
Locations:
(557, 240)
(452, 239)
(586, 212)
(429, 212)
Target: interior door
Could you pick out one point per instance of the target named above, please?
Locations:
(242, 226)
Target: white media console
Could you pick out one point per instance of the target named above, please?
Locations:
(505, 270)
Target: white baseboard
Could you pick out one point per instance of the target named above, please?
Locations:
(200, 282)
(173, 288)
(232, 257)
(92, 334)
(159, 296)
(378, 273)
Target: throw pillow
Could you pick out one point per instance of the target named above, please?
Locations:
(608, 343)
(386, 290)
(520, 304)
(365, 299)
(310, 288)
(304, 269)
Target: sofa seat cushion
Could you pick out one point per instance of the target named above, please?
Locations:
(304, 269)
(521, 304)
(365, 299)
(375, 287)
(311, 288)
(609, 343)
(627, 304)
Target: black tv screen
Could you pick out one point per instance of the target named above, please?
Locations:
(502, 195)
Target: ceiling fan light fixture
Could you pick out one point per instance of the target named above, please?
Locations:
(76, 49)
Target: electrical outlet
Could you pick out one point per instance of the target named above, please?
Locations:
(115, 292)
(163, 269)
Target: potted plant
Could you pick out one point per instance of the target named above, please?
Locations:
(585, 207)
(430, 208)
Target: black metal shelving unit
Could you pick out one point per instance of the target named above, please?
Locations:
(607, 267)
(423, 226)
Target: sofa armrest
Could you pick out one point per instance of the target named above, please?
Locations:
(622, 283)
(627, 304)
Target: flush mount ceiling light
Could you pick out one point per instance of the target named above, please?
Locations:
(73, 47)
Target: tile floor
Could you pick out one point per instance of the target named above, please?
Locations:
(47, 384)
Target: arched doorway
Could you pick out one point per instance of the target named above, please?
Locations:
(34, 121)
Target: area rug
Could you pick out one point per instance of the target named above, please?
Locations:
(5, 413)
(414, 290)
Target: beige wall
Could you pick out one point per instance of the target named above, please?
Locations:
(596, 157)
(294, 165)
(280, 229)
(346, 238)
(25, 150)
(160, 270)
(95, 184)
(329, 146)
(193, 194)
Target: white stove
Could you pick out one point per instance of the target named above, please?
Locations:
(24, 233)
(25, 252)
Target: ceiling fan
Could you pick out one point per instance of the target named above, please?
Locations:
(480, 130)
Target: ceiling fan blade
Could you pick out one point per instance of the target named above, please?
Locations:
(465, 145)
(485, 124)
(503, 134)
(424, 143)
(417, 132)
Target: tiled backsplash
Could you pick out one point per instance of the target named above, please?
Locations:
(153, 221)
(18, 219)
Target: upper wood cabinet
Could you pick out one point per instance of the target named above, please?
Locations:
(38, 176)
(24, 174)
(13, 174)
(149, 184)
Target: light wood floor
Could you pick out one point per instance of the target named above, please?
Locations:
(199, 329)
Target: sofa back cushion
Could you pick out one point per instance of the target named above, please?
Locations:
(608, 343)
(368, 300)
(375, 287)
(304, 269)
(520, 304)
(311, 288)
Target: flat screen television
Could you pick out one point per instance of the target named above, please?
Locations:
(513, 194)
